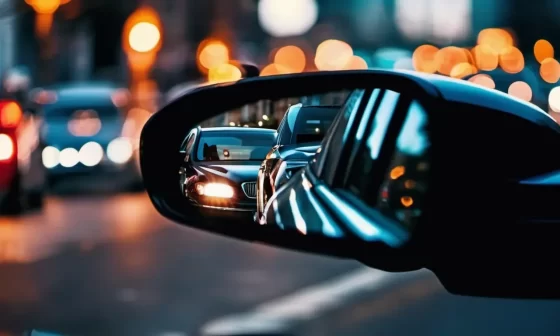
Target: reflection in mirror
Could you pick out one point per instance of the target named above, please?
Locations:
(230, 165)
(369, 181)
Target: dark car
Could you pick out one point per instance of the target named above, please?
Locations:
(83, 131)
(22, 175)
(220, 166)
(339, 196)
(299, 136)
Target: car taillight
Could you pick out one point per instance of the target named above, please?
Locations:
(10, 114)
(7, 147)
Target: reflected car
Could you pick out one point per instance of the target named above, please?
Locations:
(219, 168)
(299, 137)
(22, 175)
(83, 133)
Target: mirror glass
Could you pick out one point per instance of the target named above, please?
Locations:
(369, 148)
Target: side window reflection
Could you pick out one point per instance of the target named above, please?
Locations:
(403, 190)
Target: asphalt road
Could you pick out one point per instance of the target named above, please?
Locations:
(110, 265)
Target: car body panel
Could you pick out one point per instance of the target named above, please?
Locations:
(295, 155)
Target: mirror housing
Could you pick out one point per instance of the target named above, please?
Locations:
(472, 243)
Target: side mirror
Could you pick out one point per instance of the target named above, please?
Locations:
(394, 185)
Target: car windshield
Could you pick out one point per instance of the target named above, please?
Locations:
(100, 111)
(312, 123)
(234, 145)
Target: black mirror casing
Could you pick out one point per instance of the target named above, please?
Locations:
(478, 224)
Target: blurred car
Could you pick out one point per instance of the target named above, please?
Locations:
(22, 175)
(299, 136)
(83, 132)
(220, 166)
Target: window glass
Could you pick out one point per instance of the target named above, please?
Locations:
(359, 177)
(312, 123)
(326, 163)
(403, 190)
(234, 146)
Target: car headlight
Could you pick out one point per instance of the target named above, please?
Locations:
(120, 150)
(220, 190)
(91, 154)
(51, 157)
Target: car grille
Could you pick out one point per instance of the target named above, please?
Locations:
(250, 189)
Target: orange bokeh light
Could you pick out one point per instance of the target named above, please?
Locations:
(274, 69)
(550, 70)
(356, 63)
(10, 115)
(269, 70)
(512, 60)
(212, 53)
(145, 20)
(495, 38)
(224, 73)
(485, 58)
(448, 57)
(333, 55)
(290, 57)
(543, 50)
(521, 90)
(424, 58)
(483, 80)
(462, 70)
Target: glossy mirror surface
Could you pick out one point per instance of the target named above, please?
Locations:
(228, 163)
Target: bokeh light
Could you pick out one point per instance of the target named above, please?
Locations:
(356, 63)
(212, 53)
(144, 37)
(462, 70)
(424, 58)
(270, 70)
(485, 58)
(521, 90)
(543, 50)
(282, 18)
(333, 55)
(290, 57)
(448, 57)
(224, 73)
(512, 60)
(550, 70)
(483, 80)
(554, 99)
(497, 39)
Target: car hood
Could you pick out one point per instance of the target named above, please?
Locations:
(297, 152)
(56, 133)
(238, 173)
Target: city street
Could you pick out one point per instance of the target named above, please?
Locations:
(110, 265)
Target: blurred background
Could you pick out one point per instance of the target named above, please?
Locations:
(86, 253)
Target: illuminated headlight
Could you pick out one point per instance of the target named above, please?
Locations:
(120, 150)
(51, 157)
(69, 157)
(91, 154)
(219, 190)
